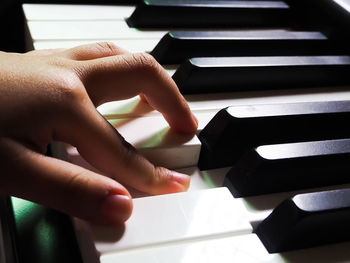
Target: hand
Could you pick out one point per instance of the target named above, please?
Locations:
(52, 95)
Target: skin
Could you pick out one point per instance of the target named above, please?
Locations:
(52, 95)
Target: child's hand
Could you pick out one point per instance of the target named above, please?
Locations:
(51, 95)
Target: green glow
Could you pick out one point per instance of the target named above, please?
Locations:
(249, 205)
(157, 139)
(45, 239)
(134, 107)
(130, 107)
(22, 208)
(34, 225)
(208, 179)
(118, 122)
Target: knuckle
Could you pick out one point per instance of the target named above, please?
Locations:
(67, 78)
(77, 182)
(146, 62)
(70, 87)
(107, 47)
(160, 175)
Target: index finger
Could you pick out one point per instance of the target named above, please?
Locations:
(128, 75)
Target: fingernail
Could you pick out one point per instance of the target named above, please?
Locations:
(195, 119)
(116, 209)
(180, 181)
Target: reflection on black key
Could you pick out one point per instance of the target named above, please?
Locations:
(176, 46)
(332, 16)
(235, 130)
(225, 74)
(307, 220)
(292, 166)
(208, 13)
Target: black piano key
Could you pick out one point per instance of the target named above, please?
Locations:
(307, 220)
(176, 46)
(208, 13)
(235, 130)
(292, 166)
(332, 16)
(226, 74)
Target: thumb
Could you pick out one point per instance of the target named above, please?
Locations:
(61, 185)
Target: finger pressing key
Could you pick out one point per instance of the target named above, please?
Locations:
(124, 76)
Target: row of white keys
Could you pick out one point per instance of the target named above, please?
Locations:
(57, 12)
(144, 45)
(176, 151)
(87, 30)
(187, 225)
(242, 249)
(172, 218)
(165, 148)
(84, 22)
(181, 218)
(135, 241)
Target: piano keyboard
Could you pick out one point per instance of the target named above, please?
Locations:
(207, 223)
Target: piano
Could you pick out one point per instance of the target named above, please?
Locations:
(270, 86)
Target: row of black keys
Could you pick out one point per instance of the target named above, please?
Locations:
(177, 46)
(271, 148)
(279, 147)
(260, 60)
(224, 61)
(238, 13)
(283, 147)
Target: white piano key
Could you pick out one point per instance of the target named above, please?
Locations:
(133, 46)
(134, 107)
(242, 249)
(172, 218)
(156, 142)
(55, 12)
(212, 103)
(88, 30)
(257, 208)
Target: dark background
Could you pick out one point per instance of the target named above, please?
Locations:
(12, 19)
(11, 26)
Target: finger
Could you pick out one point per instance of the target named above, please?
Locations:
(93, 51)
(101, 145)
(125, 76)
(63, 186)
